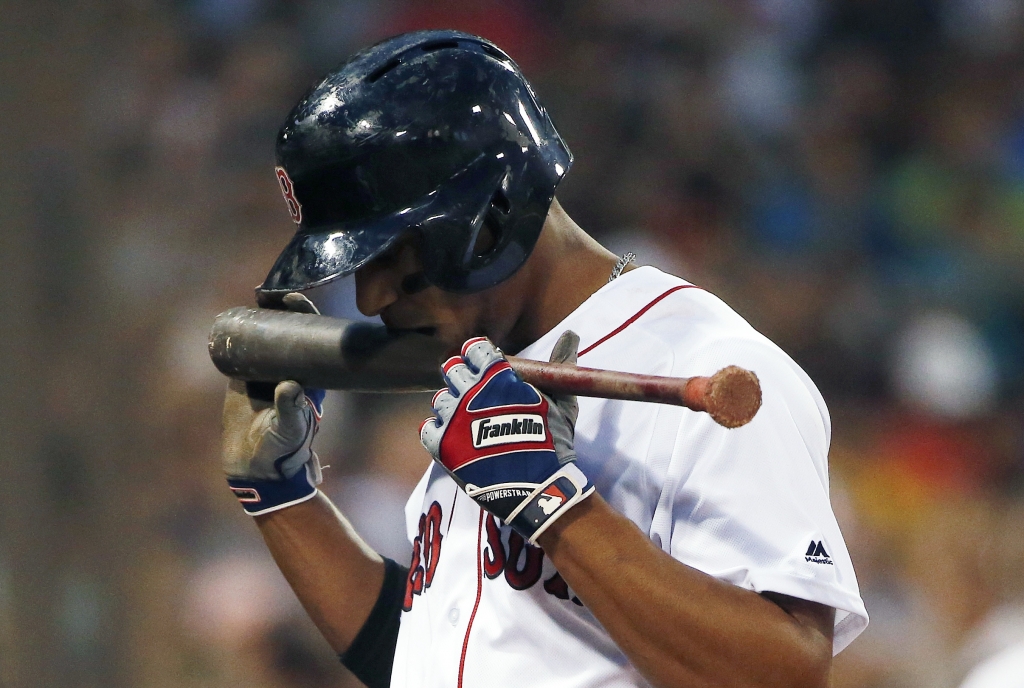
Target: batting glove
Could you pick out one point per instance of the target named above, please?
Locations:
(509, 446)
(267, 451)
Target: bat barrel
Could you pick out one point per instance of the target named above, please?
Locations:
(262, 345)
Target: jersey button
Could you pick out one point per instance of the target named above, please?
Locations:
(453, 615)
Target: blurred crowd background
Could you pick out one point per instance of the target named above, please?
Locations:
(848, 174)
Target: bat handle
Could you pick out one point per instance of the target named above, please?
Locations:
(732, 396)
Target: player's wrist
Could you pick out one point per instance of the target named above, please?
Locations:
(577, 524)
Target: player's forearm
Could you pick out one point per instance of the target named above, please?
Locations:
(335, 575)
(678, 625)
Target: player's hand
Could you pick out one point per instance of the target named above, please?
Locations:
(267, 451)
(509, 446)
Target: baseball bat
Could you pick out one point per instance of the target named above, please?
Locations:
(263, 345)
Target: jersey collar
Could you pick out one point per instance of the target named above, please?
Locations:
(606, 309)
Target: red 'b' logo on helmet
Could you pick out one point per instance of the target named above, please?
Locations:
(288, 189)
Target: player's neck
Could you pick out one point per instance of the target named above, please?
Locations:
(564, 269)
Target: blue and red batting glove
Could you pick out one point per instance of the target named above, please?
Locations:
(509, 446)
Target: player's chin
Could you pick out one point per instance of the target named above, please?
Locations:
(399, 324)
(427, 330)
(453, 335)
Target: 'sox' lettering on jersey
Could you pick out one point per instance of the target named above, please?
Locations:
(522, 563)
(557, 586)
(494, 554)
(507, 429)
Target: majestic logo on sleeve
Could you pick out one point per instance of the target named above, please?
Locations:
(507, 429)
(288, 190)
(816, 553)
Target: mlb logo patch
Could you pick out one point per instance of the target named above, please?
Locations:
(550, 499)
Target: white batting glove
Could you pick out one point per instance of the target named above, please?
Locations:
(267, 452)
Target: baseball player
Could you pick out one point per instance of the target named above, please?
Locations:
(554, 542)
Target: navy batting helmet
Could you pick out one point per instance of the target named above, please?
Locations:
(437, 132)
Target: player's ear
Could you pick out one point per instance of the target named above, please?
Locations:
(488, 236)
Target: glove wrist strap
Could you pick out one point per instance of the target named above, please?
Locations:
(264, 496)
(562, 491)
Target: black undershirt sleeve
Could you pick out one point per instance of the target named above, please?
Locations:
(372, 653)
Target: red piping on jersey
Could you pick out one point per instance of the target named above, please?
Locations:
(636, 315)
(479, 590)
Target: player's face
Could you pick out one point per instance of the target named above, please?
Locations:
(392, 287)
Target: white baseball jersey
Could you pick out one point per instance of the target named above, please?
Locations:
(749, 506)
(1005, 669)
